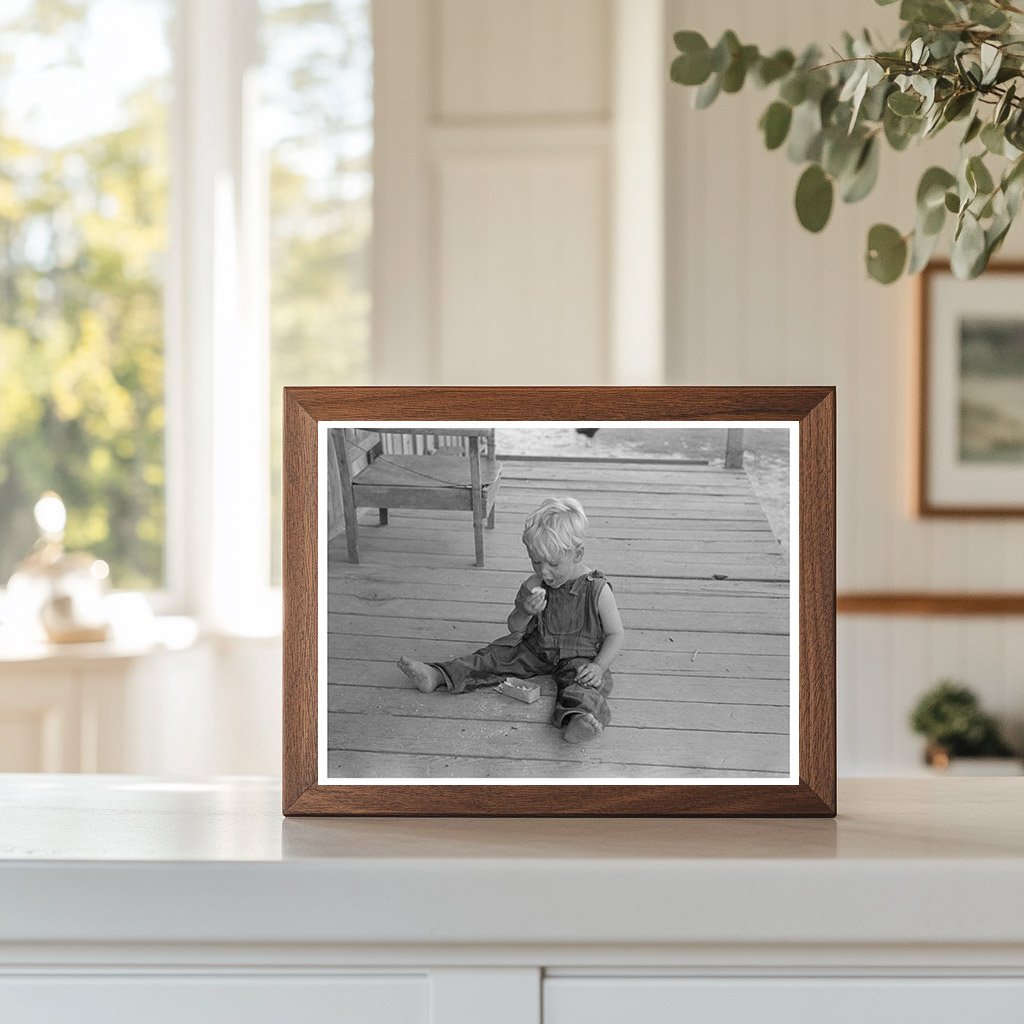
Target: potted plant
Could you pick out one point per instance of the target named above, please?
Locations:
(956, 61)
(950, 717)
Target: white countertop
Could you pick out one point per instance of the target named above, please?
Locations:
(124, 859)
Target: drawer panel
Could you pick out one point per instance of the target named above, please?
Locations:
(782, 1000)
(202, 999)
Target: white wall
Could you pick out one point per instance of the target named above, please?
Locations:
(504, 135)
(506, 163)
(754, 299)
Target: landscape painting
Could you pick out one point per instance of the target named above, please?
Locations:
(991, 390)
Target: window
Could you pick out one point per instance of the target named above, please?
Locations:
(175, 246)
(317, 87)
(83, 237)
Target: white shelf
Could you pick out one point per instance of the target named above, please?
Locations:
(126, 896)
(121, 859)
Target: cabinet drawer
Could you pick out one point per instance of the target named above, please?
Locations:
(659, 1000)
(202, 999)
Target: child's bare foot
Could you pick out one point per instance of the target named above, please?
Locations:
(424, 677)
(582, 726)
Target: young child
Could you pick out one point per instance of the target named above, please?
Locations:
(565, 624)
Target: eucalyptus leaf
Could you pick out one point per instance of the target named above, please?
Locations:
(968, 247)
(958, 105)
(931, 190)
(933, 122)
(771, 69)
(686, 71)
(865, 173)
(973, 129)
(886, 253)
(900, 130)
(794, 88)
(930, 12)
(995, 233)
(993, 138)
(1005, 104)
(952, 202)
(903, 103)
(873, 106)
(707, 93)
(922, 248)
(814, 195)
(735, 74)
(932, 221)
(925, 88)
(1013, 187)
(991, 61)
(944, 44)
(725, 50)
(840, 152)
(978, 176)
(987, 15)
(775, 123)
(827, 106)
(1014, 192)
(805, 133)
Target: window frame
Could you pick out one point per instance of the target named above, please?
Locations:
(217, 350)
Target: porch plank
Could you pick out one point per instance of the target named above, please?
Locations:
(636, 685)
(625, 745)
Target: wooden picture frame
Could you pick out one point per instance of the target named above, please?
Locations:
(969, 449)
(316, 420)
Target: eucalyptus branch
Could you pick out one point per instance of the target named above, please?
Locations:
(833, 117)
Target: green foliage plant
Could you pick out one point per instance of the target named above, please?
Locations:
(956, 61)
(950, 717)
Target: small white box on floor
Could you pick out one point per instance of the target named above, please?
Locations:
(524, 690)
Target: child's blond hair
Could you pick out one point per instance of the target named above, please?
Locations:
(555, 528)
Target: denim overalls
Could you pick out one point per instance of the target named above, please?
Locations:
(566, 635)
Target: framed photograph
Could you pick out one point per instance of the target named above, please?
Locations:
(970, 450)
(559, 601)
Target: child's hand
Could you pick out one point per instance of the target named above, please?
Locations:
(589, 674)
(535, 601)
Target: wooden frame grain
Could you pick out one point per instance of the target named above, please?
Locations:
(923, 504)
(812, 407)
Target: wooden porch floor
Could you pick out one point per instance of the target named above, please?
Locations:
(702, 683)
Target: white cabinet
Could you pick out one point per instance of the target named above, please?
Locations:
(823, 1000)
(131, 899)
(100, 707)
(203, 999)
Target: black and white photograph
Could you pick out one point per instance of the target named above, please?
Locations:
(557, 601)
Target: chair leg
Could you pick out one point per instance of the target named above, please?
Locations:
(348, 497)
(490, 519)
(478, 535)
(351, 521)
(477, 498)
(383, 516)
(351, 537)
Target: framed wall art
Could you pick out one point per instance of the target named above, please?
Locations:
(970, 444)
(559, 601)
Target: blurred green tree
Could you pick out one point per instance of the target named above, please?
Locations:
(318, 107)
(83, 236)
(82, 231)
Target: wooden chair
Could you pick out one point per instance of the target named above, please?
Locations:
(372, 477)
